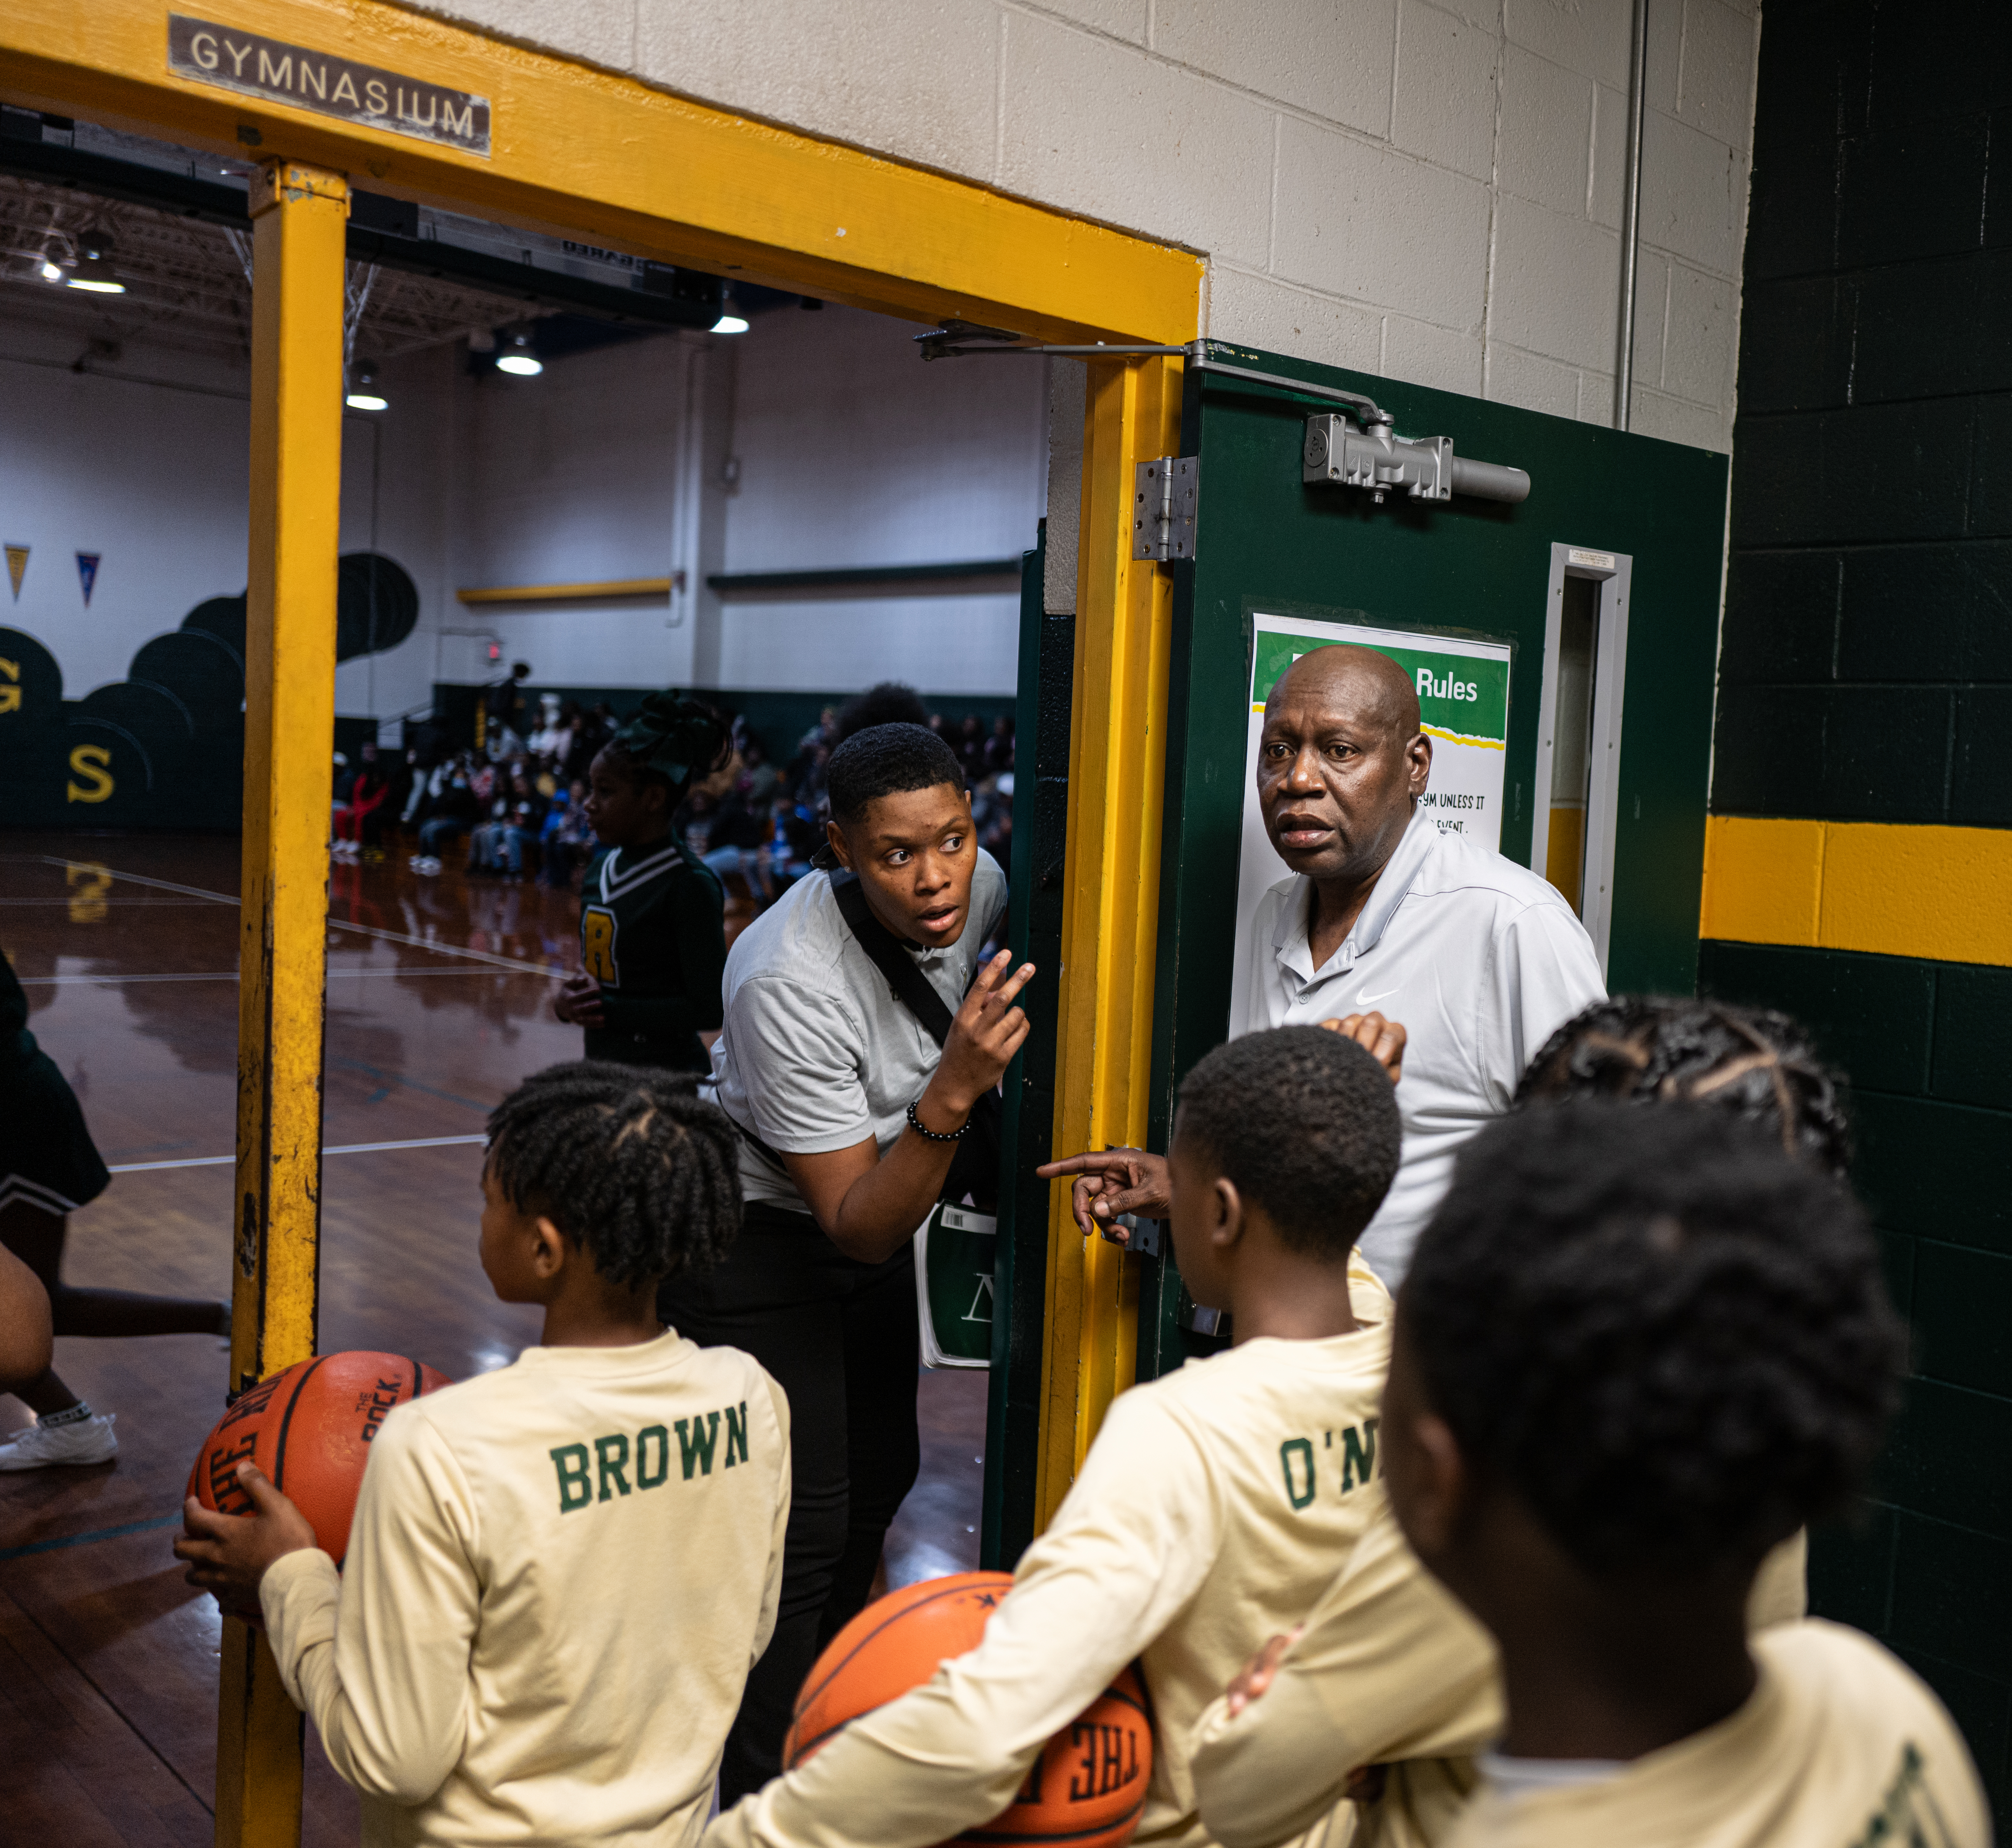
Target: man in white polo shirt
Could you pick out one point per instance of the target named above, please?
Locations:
(1384, 919)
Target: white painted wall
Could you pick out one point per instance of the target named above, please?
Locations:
(1429, 192)
(397, 483)
(609, 466)
(851, 453)
(571, 477)
(145, 460)
(152, 478)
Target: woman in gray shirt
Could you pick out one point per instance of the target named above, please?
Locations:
(851, 1112)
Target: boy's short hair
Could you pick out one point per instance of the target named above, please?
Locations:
(1304, 1123)
(886, 759)
(1671, 1341)
(1754, 1063)
(629, 1163)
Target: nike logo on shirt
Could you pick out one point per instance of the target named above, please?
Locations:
(1363, 1001)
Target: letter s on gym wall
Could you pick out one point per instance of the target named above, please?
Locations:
(91, 761)
(276, 71)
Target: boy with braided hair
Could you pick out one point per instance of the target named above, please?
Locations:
(1751, 1063)
(559, 1573)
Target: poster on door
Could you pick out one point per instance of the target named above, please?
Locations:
(1463, 706)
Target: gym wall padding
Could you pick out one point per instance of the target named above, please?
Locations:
(164, 747)
(1865, 676)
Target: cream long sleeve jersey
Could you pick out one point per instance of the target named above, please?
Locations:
(1210, 1512)
(1840, 1746)
(559, 1577)
(1389, 1670)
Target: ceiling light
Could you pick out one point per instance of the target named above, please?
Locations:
(366, 400)
(729, 323)
(51, 271)
(93, 274)
(520, 361)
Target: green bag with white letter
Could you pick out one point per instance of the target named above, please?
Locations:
(954, 1258)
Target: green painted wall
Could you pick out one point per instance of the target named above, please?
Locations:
(1867, 675)
(1928, 1567)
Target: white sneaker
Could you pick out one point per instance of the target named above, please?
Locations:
(40, 1447)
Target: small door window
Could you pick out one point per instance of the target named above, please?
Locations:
(1571, 752)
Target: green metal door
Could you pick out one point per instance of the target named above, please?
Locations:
(1266, 542)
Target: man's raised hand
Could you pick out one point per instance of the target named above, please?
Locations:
(1383, 1040)
(1115, 1181)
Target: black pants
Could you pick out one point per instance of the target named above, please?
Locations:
(839, 1337)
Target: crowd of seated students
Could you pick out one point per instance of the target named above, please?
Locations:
(515, 807)
(764, 828)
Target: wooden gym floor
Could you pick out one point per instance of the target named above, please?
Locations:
(437, 996)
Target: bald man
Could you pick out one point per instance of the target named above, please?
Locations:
(1452, 963)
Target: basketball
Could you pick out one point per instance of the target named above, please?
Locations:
(309, 1429)
(1089, 1784)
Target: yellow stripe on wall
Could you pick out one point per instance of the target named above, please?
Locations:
(1893, 890)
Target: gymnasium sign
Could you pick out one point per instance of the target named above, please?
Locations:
(1463, 707)
(272, 69)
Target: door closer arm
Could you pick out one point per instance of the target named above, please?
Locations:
(1374, 457)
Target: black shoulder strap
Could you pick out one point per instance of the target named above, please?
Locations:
(911, 987)
(756, 1144)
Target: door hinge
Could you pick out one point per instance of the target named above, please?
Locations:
(1165, 492)
(1141, 1235)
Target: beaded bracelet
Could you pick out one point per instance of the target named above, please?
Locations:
(956, 1135)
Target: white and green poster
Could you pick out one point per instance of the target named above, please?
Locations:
(1463, 704)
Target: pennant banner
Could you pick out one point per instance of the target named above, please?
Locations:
(17, 568)
(86, 572)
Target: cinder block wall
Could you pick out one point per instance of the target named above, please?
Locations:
(1865, 676)
(1431, 192)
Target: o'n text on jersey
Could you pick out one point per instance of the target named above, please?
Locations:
(1357, 1459)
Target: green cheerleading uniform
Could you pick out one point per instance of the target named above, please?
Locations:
(652, 932)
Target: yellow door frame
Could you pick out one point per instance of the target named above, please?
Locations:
(577, 151)
(1111, 898)
(300, 215)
